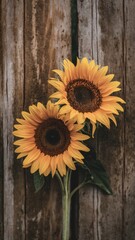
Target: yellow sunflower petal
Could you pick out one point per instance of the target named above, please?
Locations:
(111, 116)
(21, 155)
(34, 166)
(93, 128)
(80, 118)
(44, 163)
(33, 155)
(79, 136)
(73, 113)
(113, 99)
(79, 160)
(28, 118)
(77, 127)
(27, 148)
(101, 117)
(90, 116)
(53, 164)
(24, 141)
(109, 107)
(60, 73)
(56, 95)
(47, 172)
(79, 146)
(61, 166)
(68, 160)
(57, 84)
(65, 109)
(75, 153)
(22, 134)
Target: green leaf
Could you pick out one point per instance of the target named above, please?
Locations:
(39, 181)
(96, 174)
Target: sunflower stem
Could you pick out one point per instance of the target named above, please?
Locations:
(77, 188)
(66, 206)
(60, 181)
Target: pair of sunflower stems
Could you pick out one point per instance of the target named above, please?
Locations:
(66, 181)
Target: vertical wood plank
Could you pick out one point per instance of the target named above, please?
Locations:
(88, 47)
(111, 42)
(129, 89)
(47, 43)
(1, 137)
(101, 36)
(12, 43)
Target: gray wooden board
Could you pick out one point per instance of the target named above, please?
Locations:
(47, 43)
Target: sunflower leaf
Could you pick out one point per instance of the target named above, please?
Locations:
(39, 181)
(96, 174)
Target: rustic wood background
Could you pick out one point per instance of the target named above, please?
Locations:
(36, 35)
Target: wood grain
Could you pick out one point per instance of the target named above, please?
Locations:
(12, 31)
(88, 47)
(47, 43)
(104, 26)
(1, 137)
(129, 136)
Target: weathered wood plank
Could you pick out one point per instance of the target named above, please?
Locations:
(129, 90)
(1, 137)
(88, 47)
(100, 36)
(12, 43)
(111, 21)
(47, 42)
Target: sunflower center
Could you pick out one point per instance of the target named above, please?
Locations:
(52, 137)
(83, 95)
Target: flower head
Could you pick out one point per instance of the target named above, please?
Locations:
(49, 141)
(85, 91)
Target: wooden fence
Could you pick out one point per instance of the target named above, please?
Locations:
(36, 35)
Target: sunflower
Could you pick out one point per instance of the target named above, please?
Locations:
(49, 141)
(84, 91)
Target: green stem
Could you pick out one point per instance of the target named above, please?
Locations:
(77, 188)
(66, 206)
(60, 181)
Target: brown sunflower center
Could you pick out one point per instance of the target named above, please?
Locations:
(52, 137)
(83, 95)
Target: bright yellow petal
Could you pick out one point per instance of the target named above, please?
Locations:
(44, 163)
(111, 116)
(77, 127)
(79, 146)
(65, 109)
(33, 155)
(47, 172)
(61, 166)
(53, 164)
(22, 134)
(79, 136)
(80, 118)
(109, 108)
(29, 118)
(60, 73)
(90, 116)
(112, 99)
(74, 153)
(56, 95)
(57, 84)
(68, 160)
(35, 166)
(27, 148)
(21, 155)
(73, 113)
(102, 118)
